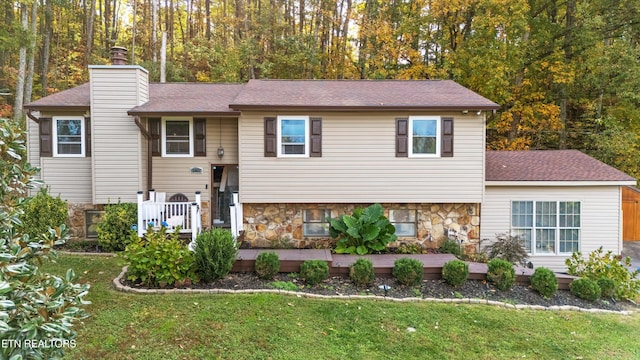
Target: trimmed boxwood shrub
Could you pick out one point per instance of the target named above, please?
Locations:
(113, 230)
(501, 274)
(267, 265)
(585, 288)
(455, 272)
(544, 281)
(607, 287)
(314, 271)
(361, 272)
(408, 271)
(41, 213)
(216, 251)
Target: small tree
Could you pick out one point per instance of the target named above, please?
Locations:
(34, 306)
(508, 247)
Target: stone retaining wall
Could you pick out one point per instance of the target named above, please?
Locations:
(281, 225)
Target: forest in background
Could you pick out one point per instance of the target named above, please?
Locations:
(565, 72)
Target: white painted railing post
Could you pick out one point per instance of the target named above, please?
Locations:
(194, 222)
(152, 195)
(233, 219)
(140, 217)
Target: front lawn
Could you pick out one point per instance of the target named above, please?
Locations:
(129, 326)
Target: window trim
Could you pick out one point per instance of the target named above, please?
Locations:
(307, 137)
(54, 135)
(557, 228)
(414, 222)
(163, 130)
(438, 121)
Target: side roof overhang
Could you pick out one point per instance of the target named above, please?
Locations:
(550, 168)
(74, 99)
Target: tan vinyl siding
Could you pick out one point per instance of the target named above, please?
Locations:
(68, 177)
(359, 165)
(600, 216)
(33, 146)
(171, 174)
(117, 143)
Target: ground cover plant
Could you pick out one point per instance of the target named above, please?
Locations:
(366, 231)
(255, 326)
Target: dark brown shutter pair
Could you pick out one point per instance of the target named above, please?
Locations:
(271, 134)
(46, 137)
(402, 137)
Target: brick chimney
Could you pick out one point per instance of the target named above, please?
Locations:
(118, 55)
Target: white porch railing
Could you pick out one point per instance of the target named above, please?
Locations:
(158, 212)
(235, 210)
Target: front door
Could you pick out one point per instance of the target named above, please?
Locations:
(224, 182)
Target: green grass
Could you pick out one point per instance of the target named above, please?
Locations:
(271, 326)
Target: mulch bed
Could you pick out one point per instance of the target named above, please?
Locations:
(438, 289)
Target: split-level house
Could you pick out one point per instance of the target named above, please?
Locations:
(298, 152)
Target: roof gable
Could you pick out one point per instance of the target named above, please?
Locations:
(548, 165)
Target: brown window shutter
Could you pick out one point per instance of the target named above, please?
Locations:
(270, 136)
(156, 138)
(46, 142)
(402, 137)
(316, 137)
(87, 136)
(199, 133)
(447, 137)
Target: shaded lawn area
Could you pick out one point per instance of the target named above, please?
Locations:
(263, 326)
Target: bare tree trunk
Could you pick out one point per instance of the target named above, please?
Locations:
(46, 46)
(22, 68)
(207, 23)
(90, 21)
(107, 24)
(31, 52)
(154, 29)
(133, 32)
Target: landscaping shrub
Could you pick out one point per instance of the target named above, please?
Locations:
(113, 230)
(509, 248)
(314, 271)
(361, 272)
(216, 251)
(34, 305)
(501, 274)
(544, 281)
(267, 265)
(159, 260)
(585, 288)
(455, 272)
(364, 232)
(408, 271)
(450, 246)
(602, 264)
(41, 213)
(607, 287)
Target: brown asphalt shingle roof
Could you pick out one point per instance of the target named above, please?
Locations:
(74, 98)
(549, 165)
(359, 94)
(188, 98)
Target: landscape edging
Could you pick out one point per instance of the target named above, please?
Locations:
(125, 288)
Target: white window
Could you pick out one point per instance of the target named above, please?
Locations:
(547, 227)
(404, 221)
(68, 136)
(424, 136)
(316, 223)
(293, 136)
(177, 137)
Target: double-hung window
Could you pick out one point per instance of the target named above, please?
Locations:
(547, 227)
(424, 139)
(69, 136)
(177, 137)
(293, 136)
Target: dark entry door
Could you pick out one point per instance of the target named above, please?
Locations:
(224, 182)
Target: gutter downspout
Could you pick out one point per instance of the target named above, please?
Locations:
(147, 136)
(32, 117)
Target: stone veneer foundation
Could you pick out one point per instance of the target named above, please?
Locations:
(281, 225)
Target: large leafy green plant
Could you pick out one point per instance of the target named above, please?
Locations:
(35, 307)
(364, 232)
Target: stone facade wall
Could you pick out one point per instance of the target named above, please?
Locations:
(281, 225)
